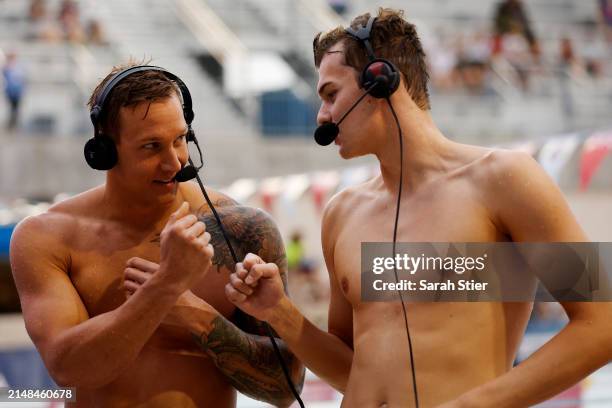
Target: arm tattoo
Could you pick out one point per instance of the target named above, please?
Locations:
(250, 363)
(248, 230)
(241, 349)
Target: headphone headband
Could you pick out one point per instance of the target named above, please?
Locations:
(98, 108)
(379, 75)
(362, 34)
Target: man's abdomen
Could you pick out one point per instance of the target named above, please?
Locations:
(456, 347)
(162, 378)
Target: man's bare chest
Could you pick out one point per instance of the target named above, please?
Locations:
(442, 220)
(97, 272)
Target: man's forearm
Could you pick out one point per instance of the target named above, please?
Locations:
(249, 361)
(575, 352)
(322, 352)
(110, 341)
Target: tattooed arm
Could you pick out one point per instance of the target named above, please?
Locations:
(240, 348)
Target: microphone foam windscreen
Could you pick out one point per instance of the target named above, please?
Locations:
(326, 133)
(186, 173)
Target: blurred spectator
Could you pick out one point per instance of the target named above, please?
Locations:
(605, 10)
(516, 52)
(474, 62)
(295, 252)
(14, 85)
(68, 10)
(302, 270)
(511, 18)
(70, 19)
(339, 6)
(568, 59)
(478, 48)
(305, 286)
(42, 27)
(594, 52)
(66, 27)
(38, 10)
(95, 33)
(569, 67)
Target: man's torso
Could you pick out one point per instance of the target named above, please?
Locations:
(171, 370)
(456, 346)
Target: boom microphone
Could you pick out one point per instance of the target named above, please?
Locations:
(186, 173)
(190, 171)
(328, 131)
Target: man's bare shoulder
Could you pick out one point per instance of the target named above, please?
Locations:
(85, 204)
(525, 202)
(53, 229)
(505, 171)
(342, 206)
(40, 238)
(339, 206)
(191, 193)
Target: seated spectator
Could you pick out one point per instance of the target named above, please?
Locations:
(68, 10)
(605, 12)
(95, 33)
(38, 10)
(474, 62)
(516, 51)
(568, 60)
(511, 18)
(70, 20)
(594, 51)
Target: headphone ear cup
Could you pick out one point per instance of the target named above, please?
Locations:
(381, 74)
(101, 153)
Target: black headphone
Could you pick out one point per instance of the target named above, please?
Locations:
(379, 74)
(100, 151)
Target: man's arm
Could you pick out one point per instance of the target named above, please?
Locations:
(530, 208)
(240, 348)
(70, 342)
(327, 354)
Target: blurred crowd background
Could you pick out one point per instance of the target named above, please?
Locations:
(534, 75)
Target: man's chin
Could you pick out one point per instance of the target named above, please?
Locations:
(165, 194)
(348, 154)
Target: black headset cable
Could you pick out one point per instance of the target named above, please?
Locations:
(397, 209)
(270, 335)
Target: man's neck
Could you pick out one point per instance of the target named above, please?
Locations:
(426, 152)
(131, 210)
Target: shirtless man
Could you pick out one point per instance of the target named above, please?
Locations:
(463, 352)
(172, 339)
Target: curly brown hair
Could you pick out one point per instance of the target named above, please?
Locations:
(392, 38)
(144, 86)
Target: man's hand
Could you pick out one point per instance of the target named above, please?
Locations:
(186, 252)
(255, 287)
(138, 271)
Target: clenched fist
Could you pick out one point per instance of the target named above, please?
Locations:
(256, 287)
(186, 252)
